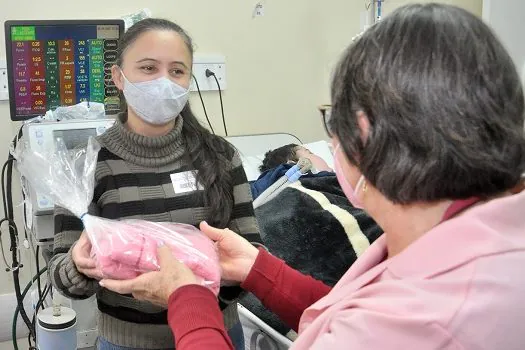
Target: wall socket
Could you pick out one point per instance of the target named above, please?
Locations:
(4, 93)
(87, 339)
(215, 63)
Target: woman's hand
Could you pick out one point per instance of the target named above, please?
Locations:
(156, 287)
(82, 258)
(236, 255)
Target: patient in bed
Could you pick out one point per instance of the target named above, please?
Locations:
(290, 154)
(277, 162)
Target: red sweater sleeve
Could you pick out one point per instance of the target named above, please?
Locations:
(283, 290)
(196, 320)
(197, 323)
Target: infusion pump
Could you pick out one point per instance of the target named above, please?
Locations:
(42, 136)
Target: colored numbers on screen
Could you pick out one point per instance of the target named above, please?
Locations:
(52, 73)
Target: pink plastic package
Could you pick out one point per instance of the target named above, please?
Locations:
(125, 249)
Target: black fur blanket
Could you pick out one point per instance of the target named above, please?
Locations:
(313, 227)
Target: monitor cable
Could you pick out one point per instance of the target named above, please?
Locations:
(210, 73)
(203, 105)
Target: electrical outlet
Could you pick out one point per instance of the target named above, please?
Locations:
(4, 93)
(258, 11)
(215, 63)
(87, 339)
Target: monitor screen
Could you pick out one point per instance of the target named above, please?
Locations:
(74, 138)
(61, 63)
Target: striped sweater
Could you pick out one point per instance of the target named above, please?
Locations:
(133, 181)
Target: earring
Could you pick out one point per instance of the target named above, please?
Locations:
(365, 187)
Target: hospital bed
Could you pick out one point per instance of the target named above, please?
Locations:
(259, 335)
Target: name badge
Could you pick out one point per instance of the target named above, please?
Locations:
(185, 182)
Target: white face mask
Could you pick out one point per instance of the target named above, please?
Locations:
(156, 101)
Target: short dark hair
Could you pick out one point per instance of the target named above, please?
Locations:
(445, 106)
(279, 156)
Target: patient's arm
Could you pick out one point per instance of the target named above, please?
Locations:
(283, 290)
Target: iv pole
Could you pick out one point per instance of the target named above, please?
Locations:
(376, 11)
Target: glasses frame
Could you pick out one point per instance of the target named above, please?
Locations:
(326, 112)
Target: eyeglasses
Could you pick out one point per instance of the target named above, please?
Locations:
(326, 112)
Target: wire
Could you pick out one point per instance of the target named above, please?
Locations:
(17, 310)
(7, 198)
(40, 304)
(10, 159)
(4, 199)
(38, 269)
(16, 281)
(222, 105)
(203, 105)
(8, 216)
(32, 263)
(8, 268)
(31, 347)
(210, 73)
(49, 276)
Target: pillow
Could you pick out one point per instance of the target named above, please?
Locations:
(251, 166)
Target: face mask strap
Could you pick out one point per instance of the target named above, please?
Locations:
(360, 182)
(124, 75)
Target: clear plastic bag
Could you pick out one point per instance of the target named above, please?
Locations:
(123, 249)
(82, 110)
(133, 18)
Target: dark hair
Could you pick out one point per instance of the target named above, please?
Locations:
(279, 156)
(210, 155)
(444, 102)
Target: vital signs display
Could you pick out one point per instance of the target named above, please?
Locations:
(60, 63)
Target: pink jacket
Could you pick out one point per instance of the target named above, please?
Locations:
(460, 286)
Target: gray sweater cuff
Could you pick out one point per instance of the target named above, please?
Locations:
(68, 280)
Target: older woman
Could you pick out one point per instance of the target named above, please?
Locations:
(427, 120)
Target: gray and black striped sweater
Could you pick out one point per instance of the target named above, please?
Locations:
(132, 181)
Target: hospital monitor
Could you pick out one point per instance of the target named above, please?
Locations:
(61, 63)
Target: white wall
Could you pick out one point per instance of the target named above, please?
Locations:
(505, 17)
(278, 66)
(340, 21)
(8, 345)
